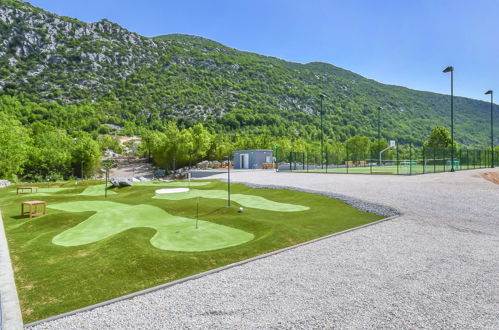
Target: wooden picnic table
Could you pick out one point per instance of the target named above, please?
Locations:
(33, 208)
(20, 190)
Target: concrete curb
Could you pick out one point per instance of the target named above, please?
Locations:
(11, 317)
(209, 272)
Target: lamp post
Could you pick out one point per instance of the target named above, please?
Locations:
(379, 131)
(107, 178)
(379, 123)
(451, 70)
(322, 129)
(228, 180)
(491, 93)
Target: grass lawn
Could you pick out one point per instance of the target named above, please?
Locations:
(89, 249)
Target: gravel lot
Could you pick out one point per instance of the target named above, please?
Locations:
(436, 266)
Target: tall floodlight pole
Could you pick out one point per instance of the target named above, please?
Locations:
(379, 123)
(322, 129)
(451, 70)
(491, 93)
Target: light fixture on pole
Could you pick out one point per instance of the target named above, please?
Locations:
(322, 129)
(451, 70)
(491, 93)
(379, 130)
(107, 167)
(379, 123)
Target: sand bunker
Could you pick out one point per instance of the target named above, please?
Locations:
(171, 190)
(172, 183)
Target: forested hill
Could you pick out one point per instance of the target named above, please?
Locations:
(82, 76)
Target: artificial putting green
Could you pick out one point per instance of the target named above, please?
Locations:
(44, 191)
(97, 190)
(172, 183)
(172, 232)
(256, 202)
(53, 279)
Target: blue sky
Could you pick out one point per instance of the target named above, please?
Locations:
(401, 42)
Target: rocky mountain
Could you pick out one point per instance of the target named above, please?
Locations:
(117, 77)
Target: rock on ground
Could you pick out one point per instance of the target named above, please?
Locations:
(121, 182)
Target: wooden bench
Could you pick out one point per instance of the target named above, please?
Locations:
(266, 166)
(33, 208)
(21, 190)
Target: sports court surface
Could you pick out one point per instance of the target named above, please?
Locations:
(433, 267)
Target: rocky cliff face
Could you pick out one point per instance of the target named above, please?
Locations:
(128, 78)
(65, 60)
(35, 43)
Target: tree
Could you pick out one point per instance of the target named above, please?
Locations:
(50, 154)
(151, 143)
(439, 138)
(358, 147)
(15, 147)
(377, 146)
(201, 140)
(86, 151)
(335, 152)
(221, 146)
(108, 142)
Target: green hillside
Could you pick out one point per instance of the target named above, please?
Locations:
(82, 76)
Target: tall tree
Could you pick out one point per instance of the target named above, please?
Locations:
(358, 147)
(14, 149)
(439, 138)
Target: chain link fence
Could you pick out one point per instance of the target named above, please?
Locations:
(400, 160)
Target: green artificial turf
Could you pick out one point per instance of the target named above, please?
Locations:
(392, 169)
(172, 232)
(256, 202)
(97, 190)
(172, 184)
(53, 279)
(43, 191)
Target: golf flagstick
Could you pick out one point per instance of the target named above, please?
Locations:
(197, 212)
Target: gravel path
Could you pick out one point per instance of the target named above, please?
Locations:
(436, 266)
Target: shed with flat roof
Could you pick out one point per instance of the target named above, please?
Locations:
(253, 159)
